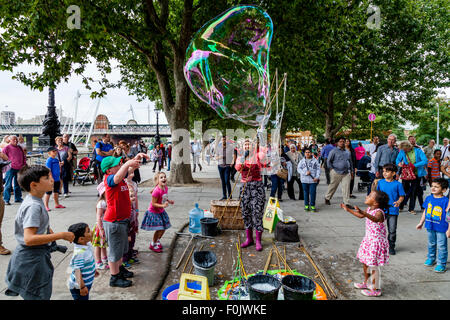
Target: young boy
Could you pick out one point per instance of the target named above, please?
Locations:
(434, 166)
(30, 270)
(436, 207)
(82, 263)
(55, 167)
(396, 193)
(117, 216)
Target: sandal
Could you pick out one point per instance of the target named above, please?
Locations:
(60, 206)
(361, 285)
(371, 293)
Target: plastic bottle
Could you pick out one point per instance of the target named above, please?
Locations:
(194, 219)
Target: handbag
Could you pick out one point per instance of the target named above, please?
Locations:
(282, 173)
(408, 170)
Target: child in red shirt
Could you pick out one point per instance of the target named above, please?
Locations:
(434, 166)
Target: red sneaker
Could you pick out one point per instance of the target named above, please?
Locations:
(59, 206)
(155, 248)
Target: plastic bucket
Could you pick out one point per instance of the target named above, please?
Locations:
(204, 263)
(298, 287)
(209, 226)
(263, 287)
(171, 292)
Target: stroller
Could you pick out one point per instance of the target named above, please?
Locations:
(363, 174)
(85, 172)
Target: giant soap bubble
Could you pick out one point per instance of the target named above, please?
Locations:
(227, 64)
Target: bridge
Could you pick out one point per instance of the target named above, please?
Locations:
(133, 130)
(128, 132)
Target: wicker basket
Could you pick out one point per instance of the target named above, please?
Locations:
(220, 209)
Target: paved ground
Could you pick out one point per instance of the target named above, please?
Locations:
(331, 235)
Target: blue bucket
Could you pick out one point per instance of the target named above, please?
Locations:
(191, 285)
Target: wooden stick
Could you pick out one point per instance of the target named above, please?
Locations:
(189, 257)
(182, 256)
(269, 257)
(281, 257)
(278, 257)
(324, 281)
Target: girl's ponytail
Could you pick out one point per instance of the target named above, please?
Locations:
(382, 199)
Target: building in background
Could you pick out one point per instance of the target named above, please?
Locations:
(8, 118)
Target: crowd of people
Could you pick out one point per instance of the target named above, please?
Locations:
(110, 243)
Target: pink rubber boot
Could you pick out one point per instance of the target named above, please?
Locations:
(258, 240)
(249, 241)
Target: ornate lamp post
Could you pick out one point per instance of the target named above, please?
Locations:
(51, 126)
(157, 137)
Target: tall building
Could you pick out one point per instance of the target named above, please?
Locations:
(8, 118)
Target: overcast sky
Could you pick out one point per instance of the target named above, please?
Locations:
(27, 103)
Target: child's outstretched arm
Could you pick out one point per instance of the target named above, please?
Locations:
(422, 221)
(32, 239)
(357, 212)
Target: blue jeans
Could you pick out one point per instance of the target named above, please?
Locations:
(11, 176)
(224, 173)
(168, 164)
(437, 240)
(277, 186)
(309, 191)
(76, 294)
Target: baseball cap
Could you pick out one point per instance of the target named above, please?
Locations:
(109, 162)
(52, 149)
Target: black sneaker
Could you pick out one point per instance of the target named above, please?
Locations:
(11, 293)
(118, 281)
(125, 273)
(8, 203)
(392, 251)
(327, 202)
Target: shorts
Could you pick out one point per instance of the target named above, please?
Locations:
(116, 234)
(56, 187)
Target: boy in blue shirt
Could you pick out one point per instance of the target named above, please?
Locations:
(394, 190)
(55, 168)
(434, 216)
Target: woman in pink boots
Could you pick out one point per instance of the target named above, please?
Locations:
(252, 193)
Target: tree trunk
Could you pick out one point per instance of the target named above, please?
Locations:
(178, 118)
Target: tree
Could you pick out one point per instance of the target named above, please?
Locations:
(337, 65)
(147, 38)
(427, 122)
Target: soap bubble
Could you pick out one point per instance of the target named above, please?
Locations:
(227, 64)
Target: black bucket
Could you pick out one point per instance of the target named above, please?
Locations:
(263, 287)
(298, 288)
(204, 262)
(209, 226)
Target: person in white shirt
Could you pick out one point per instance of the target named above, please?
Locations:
(372, 147)
(445, 149)
(196, 151)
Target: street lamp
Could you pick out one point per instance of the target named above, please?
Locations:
(51, 125)
(157, 137)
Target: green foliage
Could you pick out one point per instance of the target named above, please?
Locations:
(337, 66)
(427, 122)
